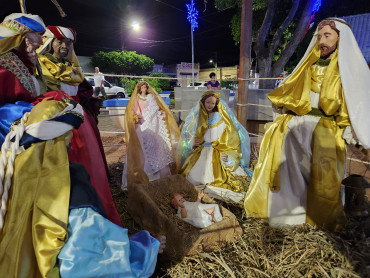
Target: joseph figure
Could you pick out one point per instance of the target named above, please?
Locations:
(321, 107)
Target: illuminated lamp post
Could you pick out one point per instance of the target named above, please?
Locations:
(193, 19)
(135, 25)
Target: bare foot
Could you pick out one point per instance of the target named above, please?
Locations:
(213, 218)
(210, 210)
(162, 243)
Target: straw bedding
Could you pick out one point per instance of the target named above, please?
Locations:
(149, 205)
(263, 251)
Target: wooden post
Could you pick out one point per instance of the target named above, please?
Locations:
(22, 3)
(244, 60)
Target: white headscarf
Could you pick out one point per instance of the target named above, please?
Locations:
(355, 78)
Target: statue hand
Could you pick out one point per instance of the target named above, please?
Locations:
(197, 142)
(200, 196)
(224, 157)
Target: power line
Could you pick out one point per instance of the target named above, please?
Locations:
(171, 6)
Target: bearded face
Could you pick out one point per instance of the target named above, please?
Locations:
(328, 39)
(61, 47)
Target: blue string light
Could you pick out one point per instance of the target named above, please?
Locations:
(316, 6)
(192, 15)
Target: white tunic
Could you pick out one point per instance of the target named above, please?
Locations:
(69, 89)
(196, 215)
(202, 171)
(288, 206)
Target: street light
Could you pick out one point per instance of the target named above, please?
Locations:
(214, 64)
(135, 25)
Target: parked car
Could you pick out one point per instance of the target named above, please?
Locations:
(198, 84)
(110, 89)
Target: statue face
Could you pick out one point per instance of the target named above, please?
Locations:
(32, 41)
(328, 39)
(62, 47)
(143, 89)
(210, 103)
(178, 200)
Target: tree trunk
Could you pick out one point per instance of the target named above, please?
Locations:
(264, 65)
(265, 54)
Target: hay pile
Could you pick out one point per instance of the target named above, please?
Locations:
(163, 200)
(266, 252)
(263, 251)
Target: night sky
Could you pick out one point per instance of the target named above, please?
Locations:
(165, 35)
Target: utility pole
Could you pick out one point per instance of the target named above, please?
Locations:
(244, 60)
(216, 63)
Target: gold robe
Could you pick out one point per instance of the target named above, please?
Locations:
(35, 227)
(55, 72)
(324, 207)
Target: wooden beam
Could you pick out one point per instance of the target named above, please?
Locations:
(244, 61)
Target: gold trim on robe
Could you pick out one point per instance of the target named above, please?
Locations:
(135, 155)
(228, 143)
(323, 200)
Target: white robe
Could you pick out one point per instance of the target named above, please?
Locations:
(154, 140)
(288, 205)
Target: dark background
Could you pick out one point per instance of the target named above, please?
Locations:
(165, 35)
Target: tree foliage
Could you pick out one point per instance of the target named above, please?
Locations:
(124, 62)
(259, 8)
(128, 83)
(158, 84)
(278, 26)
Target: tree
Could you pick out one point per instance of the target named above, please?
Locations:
(124, 62)
(159, 84)
(129, 84)
(282, 25)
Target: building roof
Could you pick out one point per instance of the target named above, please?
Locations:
(360, 25)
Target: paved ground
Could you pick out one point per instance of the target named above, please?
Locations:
(113, 139)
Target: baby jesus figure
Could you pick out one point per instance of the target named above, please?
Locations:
(196, 213)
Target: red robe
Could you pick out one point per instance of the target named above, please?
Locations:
(11, 89)
(86, 143)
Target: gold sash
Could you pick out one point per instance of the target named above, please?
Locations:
(55, 72)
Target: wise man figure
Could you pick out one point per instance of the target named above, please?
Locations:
(61, 71)
(321, 106)
(20, 36)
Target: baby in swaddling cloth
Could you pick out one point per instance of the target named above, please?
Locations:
(196, 213)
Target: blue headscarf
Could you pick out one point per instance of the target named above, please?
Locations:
(15, 26)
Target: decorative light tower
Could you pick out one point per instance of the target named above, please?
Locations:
(314, 9)
(193, 19)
